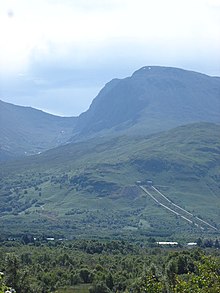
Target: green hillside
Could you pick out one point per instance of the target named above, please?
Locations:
(89, 189)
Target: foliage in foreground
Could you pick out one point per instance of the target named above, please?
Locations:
(113, 266)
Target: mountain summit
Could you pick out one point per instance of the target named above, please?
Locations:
(154, 98)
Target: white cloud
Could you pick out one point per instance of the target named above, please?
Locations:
(42, 36)
(47, 29)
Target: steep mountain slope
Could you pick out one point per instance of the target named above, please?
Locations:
(24, 130)
(89, 187)
(152, 99)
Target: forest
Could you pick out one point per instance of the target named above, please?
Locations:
(96, 266)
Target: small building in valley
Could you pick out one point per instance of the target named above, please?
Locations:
(191, 244)
(170, 243)
(149, 183)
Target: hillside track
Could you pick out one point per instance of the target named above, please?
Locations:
(169, 205)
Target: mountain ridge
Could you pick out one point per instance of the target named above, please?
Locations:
(25, 130)
(152, 99)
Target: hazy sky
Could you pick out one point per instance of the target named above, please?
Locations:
(56, 55)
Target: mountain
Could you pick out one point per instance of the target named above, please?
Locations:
(89, 188)
(25, 131)
(152, 99)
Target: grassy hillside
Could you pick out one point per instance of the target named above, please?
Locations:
(88, 189)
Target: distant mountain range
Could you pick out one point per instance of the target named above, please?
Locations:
(151, 100)
(27, 131)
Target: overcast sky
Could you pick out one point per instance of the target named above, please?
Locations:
(56, 55)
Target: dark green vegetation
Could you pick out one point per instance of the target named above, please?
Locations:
(88, 189)
(105, 267)
(26, 131)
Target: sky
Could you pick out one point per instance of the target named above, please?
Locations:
(56, 55)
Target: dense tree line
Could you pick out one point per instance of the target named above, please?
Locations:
(112, 266)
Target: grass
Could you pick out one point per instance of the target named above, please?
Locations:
(90, 187)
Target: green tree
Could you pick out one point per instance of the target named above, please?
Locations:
(171, 271)
(206, 280)
(109, 281)
(12, 266)
(16, 276)
(85, 275)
